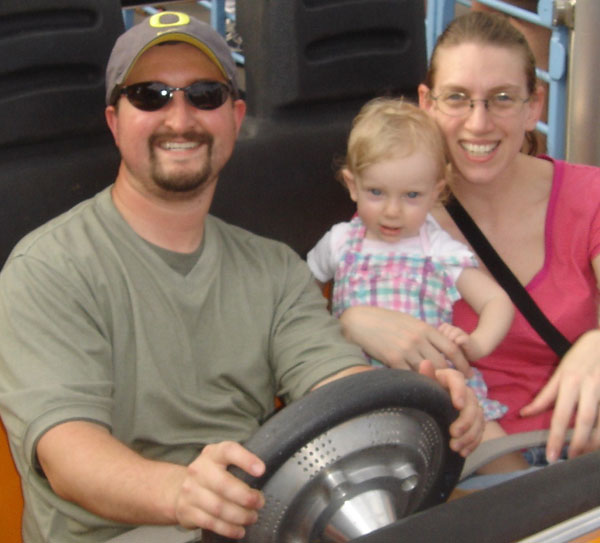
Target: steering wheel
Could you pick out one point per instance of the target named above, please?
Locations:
(352, 456)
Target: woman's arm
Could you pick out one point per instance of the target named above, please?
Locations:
(399, 340)
(495, 310)
(574, 389)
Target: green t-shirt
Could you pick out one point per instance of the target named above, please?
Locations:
(96, 324)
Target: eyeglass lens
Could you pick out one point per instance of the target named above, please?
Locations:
(153, 95)
(502, 104)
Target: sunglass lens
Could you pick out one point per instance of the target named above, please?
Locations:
(208, 94)
(148, 96)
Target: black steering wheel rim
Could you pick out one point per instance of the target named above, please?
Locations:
(335, 403)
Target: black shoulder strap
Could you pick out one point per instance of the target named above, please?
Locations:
(501, 272)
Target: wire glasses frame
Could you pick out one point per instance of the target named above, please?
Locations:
(460, 104)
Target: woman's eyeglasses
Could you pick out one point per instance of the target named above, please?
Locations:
(153, 95)
(459, 104)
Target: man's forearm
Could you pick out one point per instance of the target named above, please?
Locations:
(84, 464)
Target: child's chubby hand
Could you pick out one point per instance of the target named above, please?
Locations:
(454, 333)
(465, 341)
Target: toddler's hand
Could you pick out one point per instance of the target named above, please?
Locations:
(454, 333)
(466, 342)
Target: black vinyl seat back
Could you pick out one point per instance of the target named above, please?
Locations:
(301, 52)
(310, 66)
(55, 148)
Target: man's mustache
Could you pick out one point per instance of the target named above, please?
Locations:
(193, 136)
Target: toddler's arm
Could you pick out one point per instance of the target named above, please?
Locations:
(495, 310)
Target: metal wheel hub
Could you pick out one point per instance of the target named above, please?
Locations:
(357, 477)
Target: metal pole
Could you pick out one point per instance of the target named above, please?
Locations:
(583, 127)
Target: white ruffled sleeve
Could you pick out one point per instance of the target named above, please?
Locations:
(444, 246)
(324, 258)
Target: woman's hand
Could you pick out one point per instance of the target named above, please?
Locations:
(399, 340)
(467, 430)
(574, 389)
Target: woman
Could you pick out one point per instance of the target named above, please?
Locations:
(541, 216)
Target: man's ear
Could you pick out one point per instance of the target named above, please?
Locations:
(239, 112)
(350, 183)
(110, 114)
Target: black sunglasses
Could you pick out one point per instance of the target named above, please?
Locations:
(152, 95)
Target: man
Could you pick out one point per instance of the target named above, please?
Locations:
(142, 338)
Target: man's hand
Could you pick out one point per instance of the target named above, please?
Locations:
(86, 465)
(467, 430)
(212, 498)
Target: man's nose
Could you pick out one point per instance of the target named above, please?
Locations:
(179, 112)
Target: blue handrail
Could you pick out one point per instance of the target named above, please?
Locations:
(218, 15)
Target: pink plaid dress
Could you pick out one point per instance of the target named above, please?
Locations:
(417, 284)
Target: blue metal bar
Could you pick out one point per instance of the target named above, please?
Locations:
(217, 14)
(439, 14)
(129, 14)
(218, 5)
(557, 92)
(238, 58)
(519, 13)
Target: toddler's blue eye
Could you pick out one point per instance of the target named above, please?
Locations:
(412, 194)
(375, 192)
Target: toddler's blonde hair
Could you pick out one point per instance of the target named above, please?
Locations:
(387, 128)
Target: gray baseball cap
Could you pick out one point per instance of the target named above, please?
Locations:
(163, 27)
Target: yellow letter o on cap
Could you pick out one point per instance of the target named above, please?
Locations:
(182, 19)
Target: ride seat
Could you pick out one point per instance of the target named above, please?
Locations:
(309, 67)
(55, 148)
(11, 497)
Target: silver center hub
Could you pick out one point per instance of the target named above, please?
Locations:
(360, 476)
